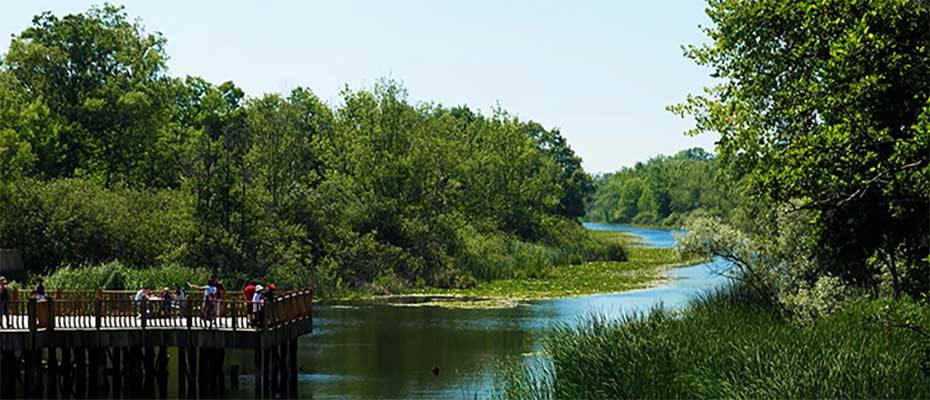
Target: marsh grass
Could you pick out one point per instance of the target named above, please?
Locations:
(643, 267)
(728, 344)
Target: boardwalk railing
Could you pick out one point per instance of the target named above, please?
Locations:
(87, 310)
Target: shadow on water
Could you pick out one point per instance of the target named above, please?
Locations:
(382, 351)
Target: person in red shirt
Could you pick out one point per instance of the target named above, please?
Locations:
(249, 290)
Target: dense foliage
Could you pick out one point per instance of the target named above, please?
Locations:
(105, 157)
(662, 191)
(824, 107)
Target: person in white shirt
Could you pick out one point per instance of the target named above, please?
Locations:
(257, 300)
(141, 296)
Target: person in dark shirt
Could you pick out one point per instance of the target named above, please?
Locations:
(4, 302)
(40, 289)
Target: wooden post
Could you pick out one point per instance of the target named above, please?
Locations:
(80, 372)
(31, 314)
(192, 372)
(8, 372)
(234, 376)
(96, 372)
(52, 381)
(268, 364)
(182, 372)
(98, 313)
(161, 368)
(203, 382)
(220, 360)
(234, 313)
(28, 375)
(188, 310)
(292, 367)
(275, 370)
(145, 312)
(134, 371)
(67, 373)
(259, 371)
(127, 373)
(283, 372)
(148, 363)
(98, 309)
(116, 381)
(51, 314)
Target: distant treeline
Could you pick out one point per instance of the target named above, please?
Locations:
(105, 157)
(661, 191)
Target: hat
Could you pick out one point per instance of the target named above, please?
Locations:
(271, 286)
(259, 288)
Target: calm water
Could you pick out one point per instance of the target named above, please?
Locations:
(388, 352)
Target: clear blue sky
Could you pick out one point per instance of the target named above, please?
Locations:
(601, 71)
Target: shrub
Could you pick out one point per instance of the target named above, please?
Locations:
(73, 221)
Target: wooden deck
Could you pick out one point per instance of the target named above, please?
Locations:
(69, 318)
(103, 343)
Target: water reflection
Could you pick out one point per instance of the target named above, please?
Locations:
(387, 352)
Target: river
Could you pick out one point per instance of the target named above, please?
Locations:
(389, 352)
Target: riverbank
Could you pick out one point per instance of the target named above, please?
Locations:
(733, 344)
(644, 267)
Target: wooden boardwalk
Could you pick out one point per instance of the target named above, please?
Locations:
(91, 334)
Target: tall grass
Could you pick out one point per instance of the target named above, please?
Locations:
(115, 275)
(733, 345)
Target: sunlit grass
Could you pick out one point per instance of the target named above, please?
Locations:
(644, 267)
(726, 345)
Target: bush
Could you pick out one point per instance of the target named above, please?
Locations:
(73, 221)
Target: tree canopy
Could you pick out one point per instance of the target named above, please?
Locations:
(824, 106)
(664, 190)
(106, 157)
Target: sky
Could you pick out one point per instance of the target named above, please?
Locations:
(600, 71)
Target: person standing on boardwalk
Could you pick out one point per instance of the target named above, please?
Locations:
(179, 296)
(256, 308)
(208, 312)
(141, 300)
(248, 292)
(4, 302)
(40, 289)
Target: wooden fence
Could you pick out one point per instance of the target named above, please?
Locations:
(86, 310)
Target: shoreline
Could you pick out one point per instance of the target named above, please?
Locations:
(446, 298)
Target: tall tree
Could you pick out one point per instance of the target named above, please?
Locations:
(823, 105)
(102, 78)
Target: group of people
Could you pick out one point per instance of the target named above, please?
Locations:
(214, 294)
(258, 295)
(150, 303)
(38, 292)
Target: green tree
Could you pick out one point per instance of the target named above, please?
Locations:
(102, 79)
(823, 105)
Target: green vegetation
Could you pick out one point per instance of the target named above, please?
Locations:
(824, 117)
(823, 112)
(732, 344)
(644, 267)
(107, 159)
(662, 191)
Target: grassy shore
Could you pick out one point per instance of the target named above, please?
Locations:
(643, 268)
(731, 345)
